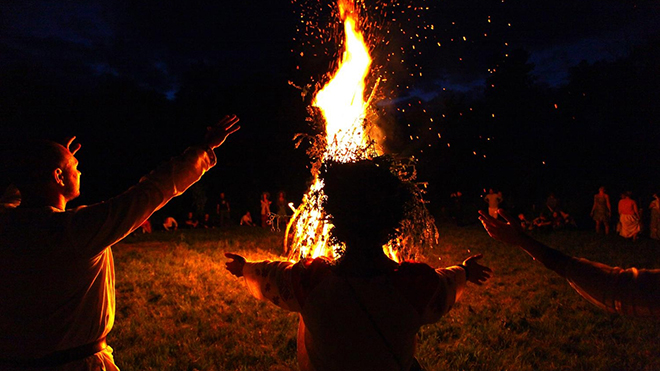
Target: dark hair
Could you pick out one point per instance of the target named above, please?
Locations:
(366, 202)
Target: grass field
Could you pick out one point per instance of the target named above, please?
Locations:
(178, 309)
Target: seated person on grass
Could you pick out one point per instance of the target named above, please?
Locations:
(191, 221)
(247, 219)
(363, 311)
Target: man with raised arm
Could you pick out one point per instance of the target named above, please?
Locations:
(56, 268)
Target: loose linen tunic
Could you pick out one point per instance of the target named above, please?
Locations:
(57, 275)
(352, 323)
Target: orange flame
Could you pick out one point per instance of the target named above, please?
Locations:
(342, 99)
(343, 105)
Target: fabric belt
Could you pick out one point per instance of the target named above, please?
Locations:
(60, 357)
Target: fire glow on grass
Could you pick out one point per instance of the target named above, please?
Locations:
(344, 107)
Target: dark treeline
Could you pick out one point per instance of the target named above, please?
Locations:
(515, 134)
(528, 139)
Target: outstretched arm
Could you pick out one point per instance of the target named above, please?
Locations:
(634, 292)
(277, 281)
(90, 229)
(475, 272)
(511, 233)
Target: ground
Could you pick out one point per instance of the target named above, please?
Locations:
(178, 308)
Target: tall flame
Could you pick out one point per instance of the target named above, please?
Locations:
(342, 99)
(343, 105)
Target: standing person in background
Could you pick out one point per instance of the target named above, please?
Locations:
(493, 200)
(629, 218)
(552, 203)
(654, 227)
(265, 209)
(601, 211)
(282, 206)
(223, 210)
(56, 267)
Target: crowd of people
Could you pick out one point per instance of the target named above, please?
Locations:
(552, 214)
(360, 312)
(630, 223)
(220, 216)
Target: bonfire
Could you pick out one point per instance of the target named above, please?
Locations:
(344, 104)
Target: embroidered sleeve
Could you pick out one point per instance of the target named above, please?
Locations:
(431, 292)
(448, 289)
(285, 284)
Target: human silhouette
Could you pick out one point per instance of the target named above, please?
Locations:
(654, 225)
(629, 218)
(601, 211)
(493, 199)
(56, 265)
(170, 224)
(362, 312)
(265, 209)
(223, 210)
(246, 219)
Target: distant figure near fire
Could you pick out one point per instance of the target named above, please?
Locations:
(493, 200)
(601, 211)
(246, 219)
(170, 224)
(363, 311)
(629, 220)
(56, 268)
(265, 209)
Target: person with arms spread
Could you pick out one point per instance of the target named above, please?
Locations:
(632, 291)
(56, 264)
(363, 311)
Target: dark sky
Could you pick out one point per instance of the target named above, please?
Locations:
(158, 45)
(156, 42)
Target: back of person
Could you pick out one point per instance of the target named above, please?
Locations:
(351, 322)
(357, 324)
(626, 206)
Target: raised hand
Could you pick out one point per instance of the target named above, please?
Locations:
(508, 232)
(75, 147)
(235, 266)
(476, 273)
(216, 134)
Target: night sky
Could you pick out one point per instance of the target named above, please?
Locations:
(138, 81)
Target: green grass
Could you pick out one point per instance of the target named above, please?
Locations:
(178, 308)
